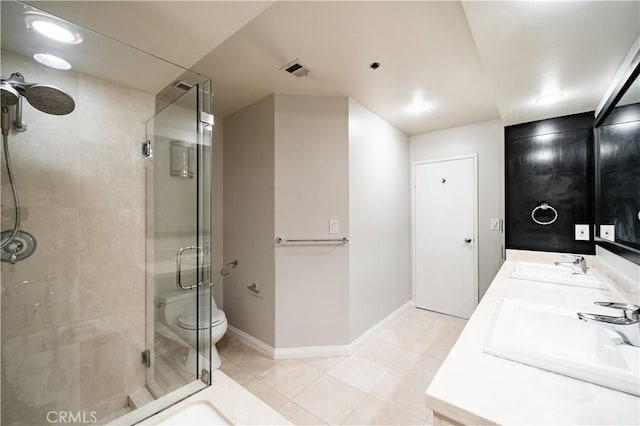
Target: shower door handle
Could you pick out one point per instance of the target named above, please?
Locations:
(179, 267)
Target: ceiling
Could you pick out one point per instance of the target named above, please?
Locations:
(181, 32)
(422, 46)
(89, 56)
(529, 49)
(470, 61)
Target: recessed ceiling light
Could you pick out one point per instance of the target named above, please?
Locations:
(549, 99)
(419, 104)
(52, 28)
(53, 31)
(418, 107)
(52, 61)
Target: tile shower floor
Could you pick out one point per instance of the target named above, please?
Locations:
(383, 383)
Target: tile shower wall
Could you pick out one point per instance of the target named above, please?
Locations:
(73, 313)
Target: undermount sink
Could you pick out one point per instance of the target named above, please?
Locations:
(556, 340)
(550, 273)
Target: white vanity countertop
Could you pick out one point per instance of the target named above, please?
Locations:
(472, 387)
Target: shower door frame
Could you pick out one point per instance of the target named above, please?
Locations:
(203, 212)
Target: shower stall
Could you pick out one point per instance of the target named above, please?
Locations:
(106, 208)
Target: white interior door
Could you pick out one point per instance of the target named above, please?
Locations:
(445, 245)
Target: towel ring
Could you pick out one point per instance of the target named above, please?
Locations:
(544, 206)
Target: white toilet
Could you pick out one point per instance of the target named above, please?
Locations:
(177, 310)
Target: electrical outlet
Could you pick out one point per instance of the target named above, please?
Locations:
(494, 224)
(608, 232)
(582, 232)
(334, 226)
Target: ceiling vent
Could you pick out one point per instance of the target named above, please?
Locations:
(296, 69)
(183, 85)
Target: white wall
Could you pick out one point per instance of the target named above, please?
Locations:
(487, 140)
(249, 218)
(379, 219)
(311, 187)
(319, 158)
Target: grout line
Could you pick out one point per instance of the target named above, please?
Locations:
(271, 388)
(256, 377)
(305, 410)
(312, 382)
(367, 395)
(434, 326)
(322, 373)
(251, 375)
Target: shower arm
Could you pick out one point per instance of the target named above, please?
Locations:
(18, 124)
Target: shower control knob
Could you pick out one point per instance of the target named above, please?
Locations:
(467, 240)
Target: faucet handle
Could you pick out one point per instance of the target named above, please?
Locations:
(623, 306)
(576, 258)
(631, 311)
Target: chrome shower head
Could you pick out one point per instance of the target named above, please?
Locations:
(49, 99)
(9, 95)
(45, 97)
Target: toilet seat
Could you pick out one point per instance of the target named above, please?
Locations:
(188, 322)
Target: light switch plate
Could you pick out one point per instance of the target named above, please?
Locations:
(334, 226)
(608, 232)
(582, 232)
(494, 224)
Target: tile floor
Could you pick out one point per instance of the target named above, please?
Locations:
(383, 383)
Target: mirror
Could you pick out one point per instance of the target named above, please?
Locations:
(618, 167)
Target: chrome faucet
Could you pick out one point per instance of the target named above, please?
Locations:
(626, 326)
(577, 264)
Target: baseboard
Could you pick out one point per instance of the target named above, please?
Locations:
(360, 340)
(252, 342)
(318, 351)
(312, 351)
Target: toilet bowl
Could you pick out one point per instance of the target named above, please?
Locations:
(177, 310)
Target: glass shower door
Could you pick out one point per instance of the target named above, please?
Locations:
(178, 274)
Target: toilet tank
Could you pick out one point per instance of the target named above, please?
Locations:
(175, 296)
(171, 304)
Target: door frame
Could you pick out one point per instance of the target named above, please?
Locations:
(414, 164)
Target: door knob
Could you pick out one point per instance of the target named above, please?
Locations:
(467, 240)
